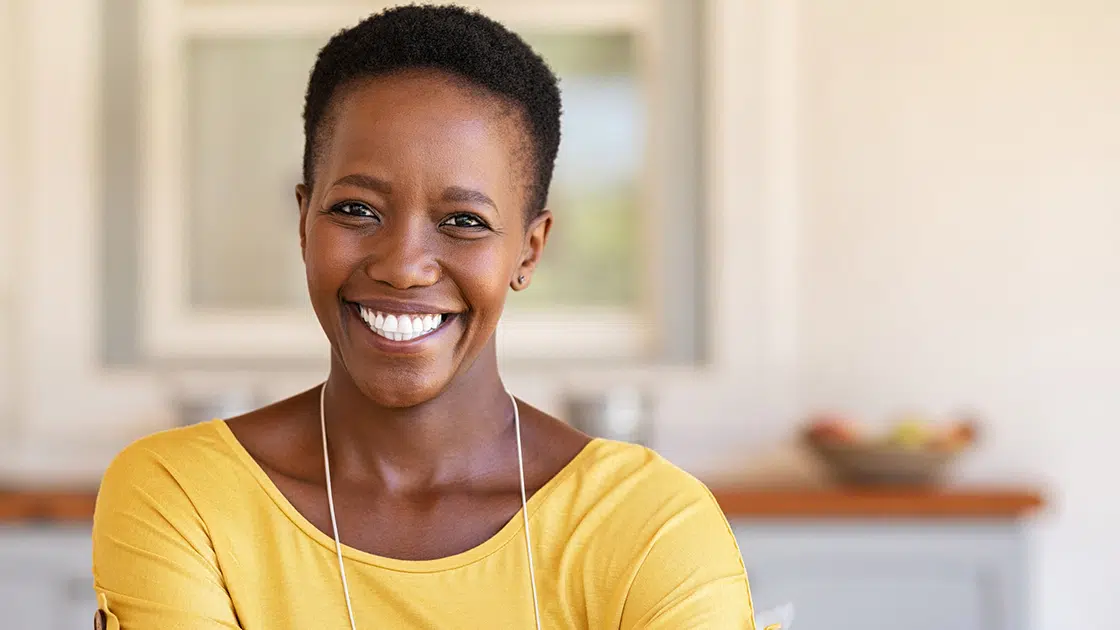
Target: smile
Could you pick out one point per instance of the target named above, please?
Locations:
(400, 326)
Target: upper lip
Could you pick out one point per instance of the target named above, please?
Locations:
(400, 308)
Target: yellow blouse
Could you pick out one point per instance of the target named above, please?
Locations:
(190, 533)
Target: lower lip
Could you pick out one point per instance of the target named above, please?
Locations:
(411, 346)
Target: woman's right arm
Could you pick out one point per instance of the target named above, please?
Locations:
(154, 565)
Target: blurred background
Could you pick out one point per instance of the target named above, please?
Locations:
(865, 217)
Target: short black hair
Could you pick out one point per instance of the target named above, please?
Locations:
(452, 39)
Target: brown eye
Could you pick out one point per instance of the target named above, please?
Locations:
(354, 209)
(464, 220)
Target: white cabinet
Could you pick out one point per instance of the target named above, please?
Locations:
(838, 576)
(897, 576)
(45, 579)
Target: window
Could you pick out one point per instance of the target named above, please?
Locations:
(221, 87)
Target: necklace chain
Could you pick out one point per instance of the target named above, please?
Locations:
(334, 521)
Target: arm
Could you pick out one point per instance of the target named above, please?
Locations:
(692, 577)
(153, 563)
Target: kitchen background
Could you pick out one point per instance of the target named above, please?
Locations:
(765, 209)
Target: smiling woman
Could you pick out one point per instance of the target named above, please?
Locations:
(438, 212)
(410, 489)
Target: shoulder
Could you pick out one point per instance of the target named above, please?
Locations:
(633, 492)
(638, 478)
(180, 451)
(173, 468)
(153, 554)
(658, 532)
(156, 494)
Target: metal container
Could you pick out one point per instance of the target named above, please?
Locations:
(619, 413)
(195, 408)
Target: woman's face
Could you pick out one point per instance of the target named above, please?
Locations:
(414, 229)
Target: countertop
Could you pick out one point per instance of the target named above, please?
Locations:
(76, 507)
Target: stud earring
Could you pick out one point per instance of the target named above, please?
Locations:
(520, 279)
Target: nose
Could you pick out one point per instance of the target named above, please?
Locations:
(403, 256)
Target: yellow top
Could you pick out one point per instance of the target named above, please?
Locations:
(190, 533)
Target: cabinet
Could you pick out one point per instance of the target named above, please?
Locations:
(838, 576)
(889, 576)
(45, 580)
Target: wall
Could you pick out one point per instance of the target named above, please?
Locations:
(960, 245)
(7, 166)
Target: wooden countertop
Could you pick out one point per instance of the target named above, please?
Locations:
(868, 503)
(76, 507)
(46, 506)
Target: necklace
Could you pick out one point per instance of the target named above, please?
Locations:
(334, 522)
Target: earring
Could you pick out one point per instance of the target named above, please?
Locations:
(520, 279)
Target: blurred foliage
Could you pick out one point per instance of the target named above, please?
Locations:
(594, 256)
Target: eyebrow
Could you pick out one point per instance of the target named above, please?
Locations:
(366, 181)
(453, 194)
(459, 194)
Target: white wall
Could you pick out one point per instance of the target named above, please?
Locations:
(7, 165)
(960, 244)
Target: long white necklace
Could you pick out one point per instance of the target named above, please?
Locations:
(334, 522)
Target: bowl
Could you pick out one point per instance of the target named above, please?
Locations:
(883, 464)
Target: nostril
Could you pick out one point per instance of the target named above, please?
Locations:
(403, 274)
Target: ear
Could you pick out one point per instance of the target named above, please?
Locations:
(536, 237)
(303, 198)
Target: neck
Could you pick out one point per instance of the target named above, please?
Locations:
(453, 438)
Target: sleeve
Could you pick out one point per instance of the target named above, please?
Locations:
(692, 577)
(153, 563)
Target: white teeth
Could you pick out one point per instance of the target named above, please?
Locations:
(400, 327)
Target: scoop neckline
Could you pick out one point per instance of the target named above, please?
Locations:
(486, 548)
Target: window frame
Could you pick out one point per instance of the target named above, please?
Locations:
(174, 329)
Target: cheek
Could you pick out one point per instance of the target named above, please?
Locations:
(481, 274)
(329, 258)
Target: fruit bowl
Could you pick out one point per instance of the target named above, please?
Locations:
(912, 454)
(883, 464)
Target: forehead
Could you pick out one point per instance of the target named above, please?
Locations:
(425, 122)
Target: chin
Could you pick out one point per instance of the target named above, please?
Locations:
(403, 390)
(394, 381)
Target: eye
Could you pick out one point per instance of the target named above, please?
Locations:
(354, 209)
(465, 220)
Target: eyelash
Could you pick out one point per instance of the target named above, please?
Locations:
(340, 208)
(479, 223)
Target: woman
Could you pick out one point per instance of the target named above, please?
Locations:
(410, 490)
